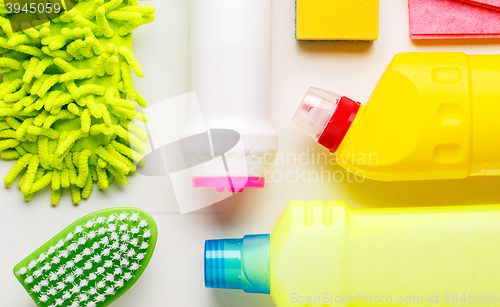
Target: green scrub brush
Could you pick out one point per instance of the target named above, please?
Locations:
(64, 113)
(92, 262)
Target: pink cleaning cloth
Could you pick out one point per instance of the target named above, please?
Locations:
(452, 19)
(492, 4)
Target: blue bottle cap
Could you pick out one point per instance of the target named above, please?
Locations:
(239, 264)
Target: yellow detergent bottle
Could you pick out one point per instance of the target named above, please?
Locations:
(432, 116)
(325, 254)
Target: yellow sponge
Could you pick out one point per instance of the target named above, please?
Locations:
(344, 20)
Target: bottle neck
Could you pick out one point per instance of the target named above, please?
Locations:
(239, 264)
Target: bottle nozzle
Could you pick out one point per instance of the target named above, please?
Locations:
(326, 116)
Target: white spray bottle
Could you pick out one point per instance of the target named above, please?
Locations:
(230, 72)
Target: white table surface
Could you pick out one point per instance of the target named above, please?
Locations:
(175, 274)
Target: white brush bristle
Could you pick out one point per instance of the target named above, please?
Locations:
(91, 264)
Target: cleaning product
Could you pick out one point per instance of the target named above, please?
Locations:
(453, 19)
(230, 72)
(431, 116)
(324, 254)
(64, 113)
(339, 20)
(92, 262)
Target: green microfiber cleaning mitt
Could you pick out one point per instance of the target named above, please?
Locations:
(64, 113)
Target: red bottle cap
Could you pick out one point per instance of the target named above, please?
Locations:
(339, 123)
